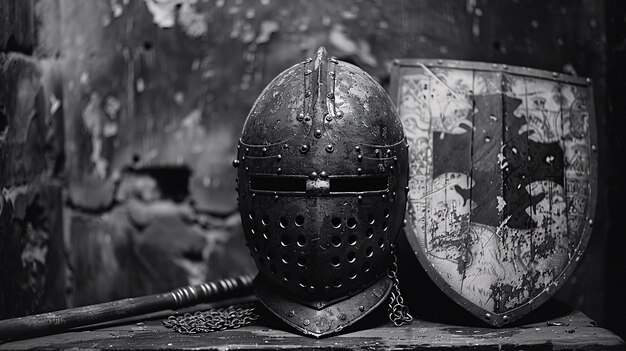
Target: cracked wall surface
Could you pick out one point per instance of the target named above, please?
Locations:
(32, 251)
(124, 115)
(150, 238)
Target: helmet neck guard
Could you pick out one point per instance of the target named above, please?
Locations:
(322, 179)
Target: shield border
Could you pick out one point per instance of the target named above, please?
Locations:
(491, 318)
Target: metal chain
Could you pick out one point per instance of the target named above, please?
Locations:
(231, 317)
(398, 311)
(237, 316)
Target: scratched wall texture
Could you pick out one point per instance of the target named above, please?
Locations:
(32, 252)
(153, 95)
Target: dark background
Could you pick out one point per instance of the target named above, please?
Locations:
(119, 120)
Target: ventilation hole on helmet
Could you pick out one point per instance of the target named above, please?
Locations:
(301, 240)
(337, 282)
(286, 276)
(301, 261)
(352, 239)
(384, 225)
(285, 258)
(369, 251)
(252, 231)
(351, 256)
(265, 220)
(299, 220)
(303, 283)
(336, 222)
(351, 223)
(370, 218)
(386, 212)
(267, 234)
(273, 269)
(270, 255)
(381, 242)
(335, 261)
(365, 267)
(352, 274)
(251, 215)
(256, 247)
(369, 232)
(284, 240)
(336, 240)
(283, 222)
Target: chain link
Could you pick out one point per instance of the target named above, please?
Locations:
(231, 317)
(398, 311)
(237, 316)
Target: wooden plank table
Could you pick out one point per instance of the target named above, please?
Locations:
(566, 329)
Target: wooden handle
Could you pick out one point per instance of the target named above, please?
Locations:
(56, 321)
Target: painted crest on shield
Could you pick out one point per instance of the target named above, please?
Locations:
(502, 179)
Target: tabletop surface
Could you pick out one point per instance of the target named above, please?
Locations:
(567, 329)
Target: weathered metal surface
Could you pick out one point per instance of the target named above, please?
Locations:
(322, 166)
(502, 179)
(568, 330)
(329, 319)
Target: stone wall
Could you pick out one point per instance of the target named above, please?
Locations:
(142, 103)
(32, 249)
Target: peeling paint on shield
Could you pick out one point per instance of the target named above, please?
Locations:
(501, 183)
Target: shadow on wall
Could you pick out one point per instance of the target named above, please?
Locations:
(152, 239)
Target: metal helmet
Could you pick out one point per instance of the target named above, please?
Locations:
(322, 181)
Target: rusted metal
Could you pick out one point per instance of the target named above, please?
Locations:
(321, 229)
(502, 179)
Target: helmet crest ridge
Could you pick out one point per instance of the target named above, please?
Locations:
(319, 86)
(322, 172)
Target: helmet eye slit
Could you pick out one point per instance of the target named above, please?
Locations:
(358, 184)
(321, 183)
(290, 184)
(335, 184)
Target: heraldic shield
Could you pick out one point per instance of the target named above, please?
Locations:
(502, 179)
